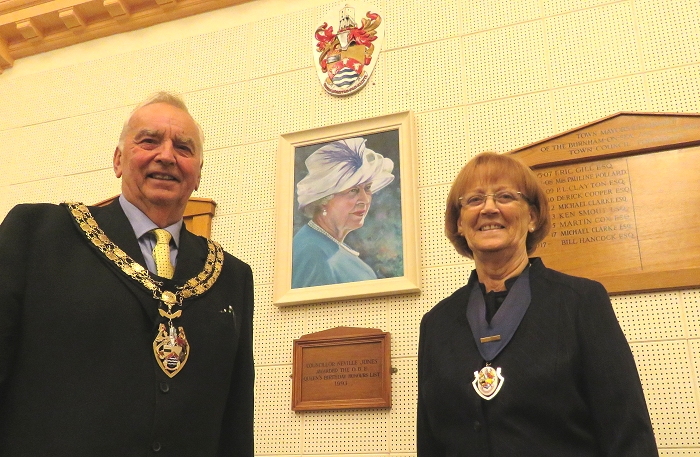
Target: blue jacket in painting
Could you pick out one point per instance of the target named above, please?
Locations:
(318, 260)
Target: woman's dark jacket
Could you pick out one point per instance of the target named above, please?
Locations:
(570, 388)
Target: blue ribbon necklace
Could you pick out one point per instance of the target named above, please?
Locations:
(492, 337)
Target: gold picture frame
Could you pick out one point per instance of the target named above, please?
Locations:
(393, 136)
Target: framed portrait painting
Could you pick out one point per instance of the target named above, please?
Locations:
(346, 212)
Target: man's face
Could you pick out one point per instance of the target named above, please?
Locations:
(160, 163)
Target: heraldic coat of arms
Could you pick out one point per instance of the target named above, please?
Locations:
(346, 58)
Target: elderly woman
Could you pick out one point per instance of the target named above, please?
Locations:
(523, 360)
(336, 194)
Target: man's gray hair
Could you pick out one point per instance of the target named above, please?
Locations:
(169, 99)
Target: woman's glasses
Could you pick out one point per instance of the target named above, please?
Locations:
(503, 197)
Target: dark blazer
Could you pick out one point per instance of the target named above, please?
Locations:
(570, 385)
(78, 375)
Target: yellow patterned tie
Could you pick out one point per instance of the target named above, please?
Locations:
(161, 253)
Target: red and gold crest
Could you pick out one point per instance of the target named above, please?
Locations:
(345, 59)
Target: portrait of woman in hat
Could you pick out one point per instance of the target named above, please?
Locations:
(335, 197)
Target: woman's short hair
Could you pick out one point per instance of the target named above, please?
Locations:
(490, 167)
(313, 208)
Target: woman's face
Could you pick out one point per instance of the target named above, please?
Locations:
(496, 228)
(346, 211)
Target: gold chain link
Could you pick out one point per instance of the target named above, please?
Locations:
(192, 288)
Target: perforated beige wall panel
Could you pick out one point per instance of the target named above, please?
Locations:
(435, 249)
(233, 173)
(675, 90)
(224, 230)
(408, 19)
(89, 187)
(22, 108)
(424, 78)
(258, 163)
(275, 329)
(406, 312)
(691, 306)
(506, 124)
(229, 49)
(46, 147)
(557, 7)
(511, 71)
(444, 131)
(163, 66)
(361, 431)
(269, 101)
(281, 430)
(603, 45)
(646, 317)
(479, 15)
(221, 113)
(365, 313)
(677, 453)
(668, 32)
(598, 100)
(250, 236)
(67, 92)
(220, 166)
(669, 385)
(403, 405)
(12, 139)
(441, 282)
(115, 74)
(478, 74)
(281, 44)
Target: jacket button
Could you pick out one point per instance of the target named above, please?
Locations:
(156, 446)
(164, 387)
(477, 426)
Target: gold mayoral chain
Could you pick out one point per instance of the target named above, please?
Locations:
(170, 345)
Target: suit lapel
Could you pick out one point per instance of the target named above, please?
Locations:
(112, 220)
(191, 256)
(117, 227)
(192, 252)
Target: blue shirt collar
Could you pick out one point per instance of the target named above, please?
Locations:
(142, 224)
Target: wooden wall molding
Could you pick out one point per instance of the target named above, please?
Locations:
(32, 27)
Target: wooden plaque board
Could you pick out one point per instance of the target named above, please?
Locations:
(342, 368)
(624, 197)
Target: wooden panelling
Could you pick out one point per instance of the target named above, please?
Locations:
(32, 27)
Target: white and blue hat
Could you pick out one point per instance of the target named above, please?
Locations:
(340, 165)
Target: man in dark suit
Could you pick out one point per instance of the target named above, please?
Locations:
(108, 351)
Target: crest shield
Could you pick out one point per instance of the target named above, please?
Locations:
(487, 382)
(171, 349)
(345, 56)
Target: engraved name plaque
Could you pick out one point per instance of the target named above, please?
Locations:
(342, 368)
(624, 197)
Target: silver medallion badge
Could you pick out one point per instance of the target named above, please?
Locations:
(487, 382)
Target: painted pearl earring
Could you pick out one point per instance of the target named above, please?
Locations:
(325, 213)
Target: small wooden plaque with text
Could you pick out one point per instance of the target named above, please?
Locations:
(342, 368)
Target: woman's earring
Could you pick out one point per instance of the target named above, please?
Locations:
(325, 213)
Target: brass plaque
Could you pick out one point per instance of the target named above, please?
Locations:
(624, 199)
(342, 368)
